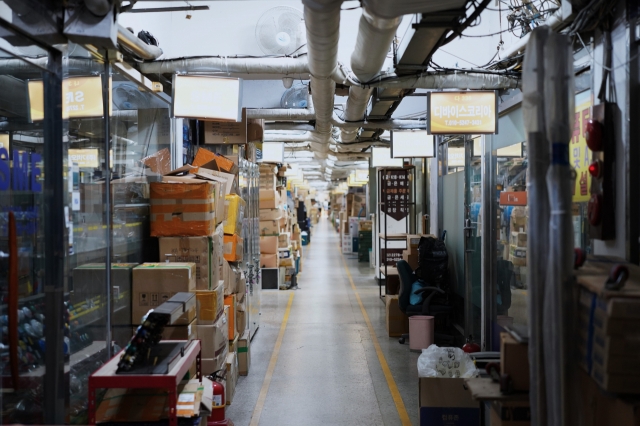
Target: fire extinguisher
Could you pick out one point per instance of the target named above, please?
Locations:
(471, 347)
(218, 416)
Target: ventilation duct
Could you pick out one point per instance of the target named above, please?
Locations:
(143, 50)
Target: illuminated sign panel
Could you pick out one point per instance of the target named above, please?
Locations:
(412, 144)
(84, 158)
(381, 157)
(455, 113)
(207, 98)
(81, 98)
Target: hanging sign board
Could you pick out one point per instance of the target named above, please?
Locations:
(5, 141)
(456, 113)
(396, 193)
(381, 157)
(579, 153)
(412, 144)
(81, 98)
(207, 98)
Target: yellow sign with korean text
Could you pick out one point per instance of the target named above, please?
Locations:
(81, 98)
(579, 153)
(453, 113)
(85, 158)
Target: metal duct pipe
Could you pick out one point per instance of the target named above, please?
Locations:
(385, 125)
(468, 80)
(279, 125)
(305, 137)
(298, 114)
(18, 67)
(355, 110)
(322, 20)
(375, 36)
(143, 50)
(235, 67)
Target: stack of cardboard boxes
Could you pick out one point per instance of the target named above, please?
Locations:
(280, 237)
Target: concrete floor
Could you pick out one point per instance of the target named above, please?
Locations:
(327, 370)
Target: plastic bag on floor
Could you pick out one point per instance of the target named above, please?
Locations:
(446, 362)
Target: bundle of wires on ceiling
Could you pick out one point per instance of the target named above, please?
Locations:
(596, 13)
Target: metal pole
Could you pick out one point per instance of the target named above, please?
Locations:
(106, 99)
(489, 245)
(55, 243)
(468, 235)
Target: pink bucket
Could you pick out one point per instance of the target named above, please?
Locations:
(420, 332)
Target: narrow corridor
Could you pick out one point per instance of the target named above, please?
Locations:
(328, 370)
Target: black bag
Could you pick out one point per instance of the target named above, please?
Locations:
(433, 262)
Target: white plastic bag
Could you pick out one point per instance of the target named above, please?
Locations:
(446, 362)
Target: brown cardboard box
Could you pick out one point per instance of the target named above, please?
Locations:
(269, 227)
(180, 332)
(244, 354)
(210, 305)
(518, 220)
(238, 133)
(155, 283)
(284, 240)
(397, 321)
(270, 214)
(519, 239)
(211, 365)
(269, 244)
(198, 250)
(411, 257)
(440, 397)
(171, 217)
(514, 361)
(269, 199)
(234, 210)
(214, 338)
(232, 377)
(268, 181)
(600, 408)
(241, 321)
(269, 260)
(159, 162)
(518, 255)
(229, 277)
(230, 302)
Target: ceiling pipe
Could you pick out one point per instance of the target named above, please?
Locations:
(322, 21)
(297, 114)
(132, 43)
(279, 125)
(275, 68)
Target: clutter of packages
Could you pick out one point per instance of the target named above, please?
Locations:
(280, 233)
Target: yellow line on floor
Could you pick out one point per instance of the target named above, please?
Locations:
(257, 411)
(391, 383)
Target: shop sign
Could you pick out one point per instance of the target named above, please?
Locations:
(81, 97)
(396, 193)
(207, 98)
(5, 142)
(454, 113)
(85, 158)
(580, 155)
(25, 173)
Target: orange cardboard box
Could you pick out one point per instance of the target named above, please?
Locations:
(230, 301)
(233, 248)
(183, 209)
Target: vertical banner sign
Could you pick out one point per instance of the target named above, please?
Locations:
(579, 152)
(396, 193)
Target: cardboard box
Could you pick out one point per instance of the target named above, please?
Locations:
(269, 227)
(230, 301)
(233, 248)
(519, 239)
(284, 240)
(268, 181)
(198, 250)
(231, 278)
(397, 321)
(160, 162)
(234, 211)
(233, 344)
(231, 132)
(210, 305)
(270, 214)
(244, 354)
(412, 258)
(447, 402)
(180, 332)
(241, 321)
(514, 361)
(269, 198)
(518, 255)
(172, 217)
(269, 260)
(214, 338)
(269, 244)
(600, 408)
(211, 365)
(155, 283)
(195, 399)
(518, 220)
(232, 377)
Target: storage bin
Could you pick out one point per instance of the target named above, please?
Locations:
(420, 332)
